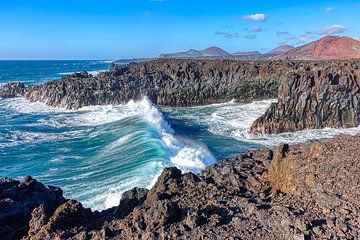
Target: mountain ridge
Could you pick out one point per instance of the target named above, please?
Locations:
(326, 48)
(217, 52)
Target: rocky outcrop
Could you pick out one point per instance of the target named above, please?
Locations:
(18, 199)
(296, 192)
(171, 82)
(311, 94)
(12, 90)
(326, 94)
(165, 82)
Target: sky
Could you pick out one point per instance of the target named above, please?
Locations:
(115, 29)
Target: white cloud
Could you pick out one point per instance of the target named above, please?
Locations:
(329, 9)
(255, 29)
(304, 38)
(330, 30)
(251, 36)
(255, 17)
(228, 35)
(285, 35)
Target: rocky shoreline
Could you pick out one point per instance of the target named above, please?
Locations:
(311, 94)
(307, 191)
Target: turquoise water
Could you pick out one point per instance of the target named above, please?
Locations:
(95, 153)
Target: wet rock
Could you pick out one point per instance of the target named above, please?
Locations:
(12, 90)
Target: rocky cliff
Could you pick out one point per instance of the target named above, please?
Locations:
(311, 94)
(296, 192)
(322, 94)
(165, 82)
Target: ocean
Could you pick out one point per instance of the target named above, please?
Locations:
(96, 153)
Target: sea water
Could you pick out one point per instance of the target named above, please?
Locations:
(96, 153)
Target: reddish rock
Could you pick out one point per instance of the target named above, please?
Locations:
(326, 48)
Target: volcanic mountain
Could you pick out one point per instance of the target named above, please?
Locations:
(280, 49)
(329, 47)
(211, 52)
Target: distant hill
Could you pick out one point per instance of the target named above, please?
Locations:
(280, 49)
(211, 52)
(218, 53)
(329, 47)
(246, 53)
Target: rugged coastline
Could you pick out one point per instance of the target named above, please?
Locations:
(307, 191)
(311, 94)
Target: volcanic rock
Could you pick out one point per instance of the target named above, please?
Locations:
(17, 201)
(307, 191)
(326, 48)
(317, 96)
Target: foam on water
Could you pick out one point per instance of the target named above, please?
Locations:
(93, 72)
(96, 153)
(234, 120)
(104, 125)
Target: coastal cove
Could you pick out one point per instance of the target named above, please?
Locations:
(96, 153)
(133, 132)
(179, 120)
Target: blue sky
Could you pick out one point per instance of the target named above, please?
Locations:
(113, 29)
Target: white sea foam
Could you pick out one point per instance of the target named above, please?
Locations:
(93, 72)
(185, 154)
(235, 120)
(21, 105)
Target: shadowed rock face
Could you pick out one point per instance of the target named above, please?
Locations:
(165, 82)
(18, 199)
(297, 192)
(311, 94)
(323, 95)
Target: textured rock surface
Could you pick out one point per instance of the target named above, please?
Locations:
(312, 94)
(18, 199)
(12, 90)
(297, 192)
(166, 82)
(324, 94)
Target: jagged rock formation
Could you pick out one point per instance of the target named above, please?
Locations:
(17, 201)
(326, 48)
(12, 90)
(311, 94)
(165, 82)
(297, 192)
(324, 94)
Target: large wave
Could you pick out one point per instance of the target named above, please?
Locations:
(117, 147)
(98, 152)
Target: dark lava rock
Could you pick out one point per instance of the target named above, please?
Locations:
(165, 82)
(311, 94)
(17, 201)
(296, 192)
(129, 200)
(323, 94)
(12, 90)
